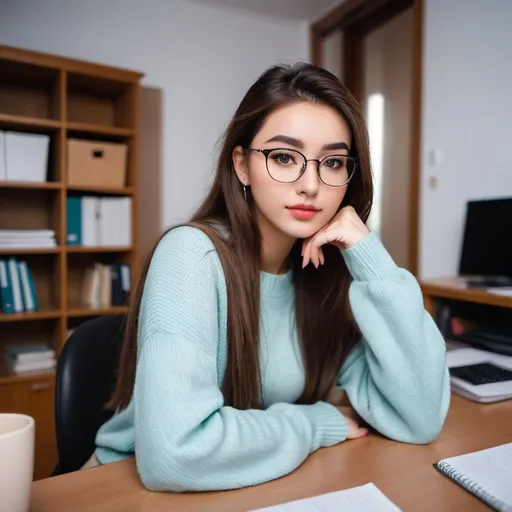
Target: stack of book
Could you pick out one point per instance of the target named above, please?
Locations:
(27, 239)
(17, 289)
(25, 358)
(99, 221)
(106, 285)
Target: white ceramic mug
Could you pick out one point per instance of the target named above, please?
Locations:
(17, 433)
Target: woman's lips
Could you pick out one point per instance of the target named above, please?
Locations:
(303, 211)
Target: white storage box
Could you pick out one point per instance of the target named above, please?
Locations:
(3, 173)
(26, 156)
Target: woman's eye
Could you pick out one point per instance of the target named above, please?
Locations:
(283, 158)
(333, 163)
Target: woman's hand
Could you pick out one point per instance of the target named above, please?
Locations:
(355, 431)
(344, 231)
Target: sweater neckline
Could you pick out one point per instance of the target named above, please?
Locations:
(273, 285)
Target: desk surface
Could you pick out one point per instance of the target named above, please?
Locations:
(456, 288)
(403, 472)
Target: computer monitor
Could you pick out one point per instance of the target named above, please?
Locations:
(487, 242)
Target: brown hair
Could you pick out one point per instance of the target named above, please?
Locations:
(326, 327)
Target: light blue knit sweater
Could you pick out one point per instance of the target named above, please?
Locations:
(183, 435)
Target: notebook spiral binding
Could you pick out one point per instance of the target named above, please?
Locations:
(473, 488)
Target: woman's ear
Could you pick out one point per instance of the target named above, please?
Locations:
(241, 165)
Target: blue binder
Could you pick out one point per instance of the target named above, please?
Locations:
(32, 289)
(74, 220)
(29, 291)
(6, 295)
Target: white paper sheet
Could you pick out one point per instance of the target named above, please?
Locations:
(366, 498)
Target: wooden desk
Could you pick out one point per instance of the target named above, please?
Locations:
(403, 472)
(455, 288)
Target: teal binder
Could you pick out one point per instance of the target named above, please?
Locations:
(6, 295)
(74, 220)
(29, 291)
(15, 282)
(33, 289)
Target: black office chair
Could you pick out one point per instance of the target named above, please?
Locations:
(85, 380)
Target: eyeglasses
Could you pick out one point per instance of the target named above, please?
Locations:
(288, 165)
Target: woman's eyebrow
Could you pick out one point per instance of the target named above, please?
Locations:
(292, 141)
(336, 145)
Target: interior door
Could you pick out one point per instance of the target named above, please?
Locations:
(387, 87)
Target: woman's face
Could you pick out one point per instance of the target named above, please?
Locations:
(317, 131)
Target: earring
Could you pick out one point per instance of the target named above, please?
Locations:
(245, 193)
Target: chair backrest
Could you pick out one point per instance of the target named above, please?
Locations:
(85, 379)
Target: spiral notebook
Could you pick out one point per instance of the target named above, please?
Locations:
(487, 474)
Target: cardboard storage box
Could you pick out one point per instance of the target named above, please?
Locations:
(96, 164)
(26, 156)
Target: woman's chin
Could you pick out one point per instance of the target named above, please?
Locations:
(301, 229)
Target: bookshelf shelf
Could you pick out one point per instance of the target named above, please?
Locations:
(100, 130)
(43, 314)
(127, 191)
(24, 123)
(65, 99)
(8, 377)
(80, 311)
(15, 252)
(74, 249)
(46, 185)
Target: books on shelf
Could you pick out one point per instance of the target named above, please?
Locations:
(99, 221)
(25, 156)
(17, 289)
(106, 285)
(27, 239)
(22, 358)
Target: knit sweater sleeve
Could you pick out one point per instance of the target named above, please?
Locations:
(185, 437)
(397, 377)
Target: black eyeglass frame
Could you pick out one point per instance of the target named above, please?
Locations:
(267, 152)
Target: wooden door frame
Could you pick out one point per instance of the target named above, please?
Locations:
(356, 18)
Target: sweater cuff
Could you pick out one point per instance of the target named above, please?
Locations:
(329, 425)
(368, 259)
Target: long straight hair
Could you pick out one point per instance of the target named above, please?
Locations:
(325, 325)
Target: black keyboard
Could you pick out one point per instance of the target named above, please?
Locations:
(481, 373)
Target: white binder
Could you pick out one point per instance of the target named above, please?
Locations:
(26, 156)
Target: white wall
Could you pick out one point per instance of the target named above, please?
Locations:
(467, 117)
(203, 58)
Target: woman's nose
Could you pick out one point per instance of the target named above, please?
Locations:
(309, 182)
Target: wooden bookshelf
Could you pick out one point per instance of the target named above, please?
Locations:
(63, 98)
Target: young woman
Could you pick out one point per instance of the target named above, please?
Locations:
(274, 323)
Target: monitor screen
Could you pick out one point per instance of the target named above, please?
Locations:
(487, 242)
